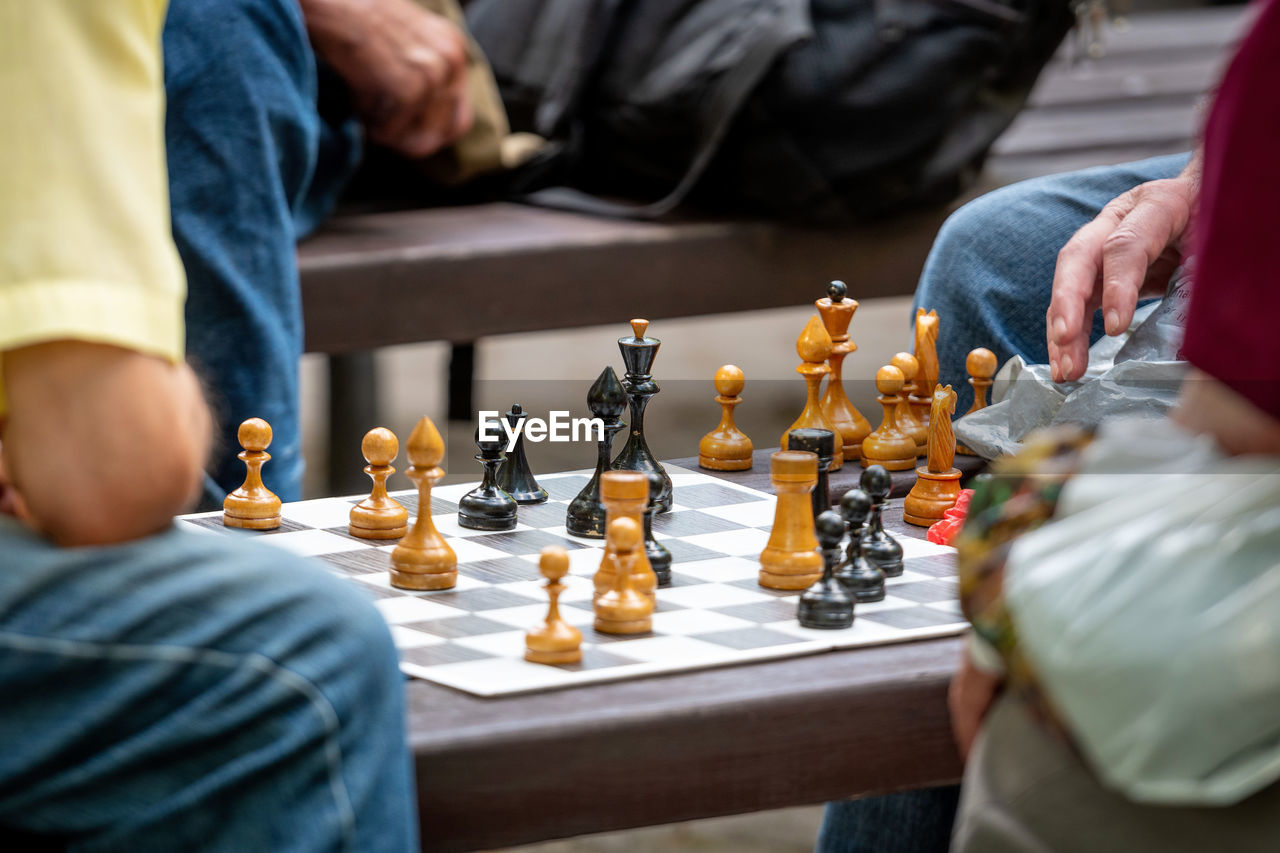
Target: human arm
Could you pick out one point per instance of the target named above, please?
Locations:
(102, 426)
(102, 444)
(1128, 252)
(969, 697)
(405, 66)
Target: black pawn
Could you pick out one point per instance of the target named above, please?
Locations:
(864, 580)
(827, 604)
(606, 400)
(879, 548)
(659, 556)
(514, 477)
(823, 443)
(488, 507)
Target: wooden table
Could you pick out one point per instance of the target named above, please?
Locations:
(506, 771)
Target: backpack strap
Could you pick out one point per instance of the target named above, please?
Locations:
(723, 103)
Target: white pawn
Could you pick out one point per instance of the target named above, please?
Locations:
(554, 641)
(621, 609)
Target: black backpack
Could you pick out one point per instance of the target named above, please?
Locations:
(797, 109)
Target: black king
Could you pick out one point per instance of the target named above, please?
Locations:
(638, 353)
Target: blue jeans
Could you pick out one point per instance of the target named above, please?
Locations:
(191, 691)
(253, 167)
(905, 822)
(990, 272)
(989, 275)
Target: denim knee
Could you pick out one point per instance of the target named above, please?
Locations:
(243, 693)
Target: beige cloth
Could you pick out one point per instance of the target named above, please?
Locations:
(1026, 792)
(489, 146)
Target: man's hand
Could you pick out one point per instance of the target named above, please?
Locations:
(969, 698)
(101, 444)
(406, 68)
(1127, 253)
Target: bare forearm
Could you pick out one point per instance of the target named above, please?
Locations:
(102, 444)
(329, 22)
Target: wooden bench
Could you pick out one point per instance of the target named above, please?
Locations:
(459, 274)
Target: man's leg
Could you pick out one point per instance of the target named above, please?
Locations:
(905, 822)
(990, 272)
(194, 691)
(244, 138)
(1026, 792)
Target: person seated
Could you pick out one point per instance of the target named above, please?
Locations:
(1121, 692)
(163, 690)
(1024, 271)
(269, 105)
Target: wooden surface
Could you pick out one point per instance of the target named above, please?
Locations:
(463, 273)
(500, 772)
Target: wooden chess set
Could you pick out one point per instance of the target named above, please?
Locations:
(520, 583)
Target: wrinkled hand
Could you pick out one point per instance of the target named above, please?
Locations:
(969, 698)
(1127, 253)
(405, 66)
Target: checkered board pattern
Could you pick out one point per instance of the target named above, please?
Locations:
(714, 612)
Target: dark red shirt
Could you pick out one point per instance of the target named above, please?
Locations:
(1233, 324)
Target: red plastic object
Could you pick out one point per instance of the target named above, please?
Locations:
(944, 532)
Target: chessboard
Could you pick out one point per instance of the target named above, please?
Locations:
(714, 613)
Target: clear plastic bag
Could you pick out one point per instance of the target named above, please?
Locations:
(1149, 610)
(1135, 375)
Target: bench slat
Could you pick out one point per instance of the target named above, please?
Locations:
(461, 273)
(499, 280)
(1168, 125)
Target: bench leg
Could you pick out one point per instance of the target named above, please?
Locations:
(462, 371)
(353, 411)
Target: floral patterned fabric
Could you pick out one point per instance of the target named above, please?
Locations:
(1020, 495)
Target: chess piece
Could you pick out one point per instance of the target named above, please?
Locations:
(813, 346)
(926, 353)
(379, 516)
(620, 609)
(864, 581)
(790, 560)
(555, 640)
(487, 507)
(638, 353)
(878, 547)
(625, 494)
(659, 556)
(905, 413)
(423, 559)
(937, 486)
(606, 400)
(822, 443)
(252, 506)
(827, 604)
(889, 446)
(726, 448)
(981, 366)
(514, 476)
(836, 310)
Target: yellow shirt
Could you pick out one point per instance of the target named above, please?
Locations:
(86, 251)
